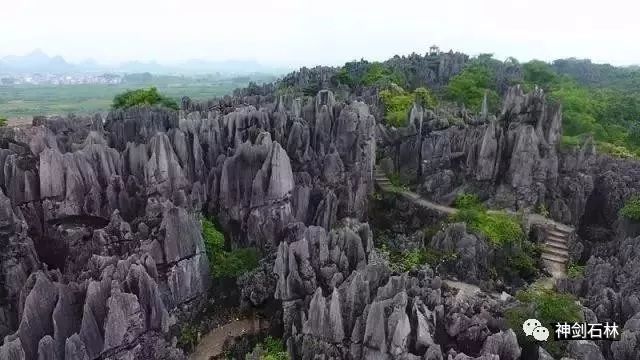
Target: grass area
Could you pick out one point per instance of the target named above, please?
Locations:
(499, 227)
(29, 100)
(546, 306)
(517, 256)
(226, 263)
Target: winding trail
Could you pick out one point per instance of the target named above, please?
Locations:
(555, 251)
(211, 344)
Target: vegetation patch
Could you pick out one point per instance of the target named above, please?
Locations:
(468, 201)
(226, 263)
(364, 73)
(188, 339)
(609, 114)
(271, 349)
(425, 98)
(575, 271)
(631, 209)
(470, 86)
(409, 260)
(397, 183)
(548, 307)
(397, 103)
(3, 121)
(516, 256)
(618, 151)
(499, 227)
(149, 96)
(542, 209)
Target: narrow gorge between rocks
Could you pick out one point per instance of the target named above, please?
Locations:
(105, 254)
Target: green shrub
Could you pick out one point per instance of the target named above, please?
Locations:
(343, 77)
(539, 73)
(542, 210)
(396, 181)
(3, 121)
(516, 256)
(518, 260)
(272, 349)
(470, 86)
(575, 270)
(236, 262)
(188, 339)
(377, 74)
(631, 209)
(572, 141)
(498, 227)
(548, 307)
(616, 150)
(149, 96)
(396, 103)
(226, 263)
(425, 98)
(403, 261)
(468, 201)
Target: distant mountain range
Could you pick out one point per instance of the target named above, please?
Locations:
(39, 62)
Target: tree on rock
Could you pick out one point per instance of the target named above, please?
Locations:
(149, 96)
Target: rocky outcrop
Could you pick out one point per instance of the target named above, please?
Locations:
(431, 70)
(121, 295)
(340, 300)
(512, 160)
(472, 254)
(17, 261)
(100, 219)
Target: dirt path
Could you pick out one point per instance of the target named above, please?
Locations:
(212, 343)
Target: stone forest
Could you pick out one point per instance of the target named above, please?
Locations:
(371, 211)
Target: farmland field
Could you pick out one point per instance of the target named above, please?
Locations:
(25, 101)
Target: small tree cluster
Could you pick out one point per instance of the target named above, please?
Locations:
(631, 209)
(149, 97)
(225, 263)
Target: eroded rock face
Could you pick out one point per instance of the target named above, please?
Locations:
(100, 219)
(114, 302)
(472, 252)
(340, 300)
(512, 159)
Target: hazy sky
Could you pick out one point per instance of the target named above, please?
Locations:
(299, 32)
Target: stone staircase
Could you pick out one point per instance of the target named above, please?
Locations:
(382, 180)
(385, 185)
(555, 251)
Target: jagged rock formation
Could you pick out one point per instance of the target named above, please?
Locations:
(101, 240)
(340, 300)
(100, 220)
(473, 254)
(431, 70)
(515, 155)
